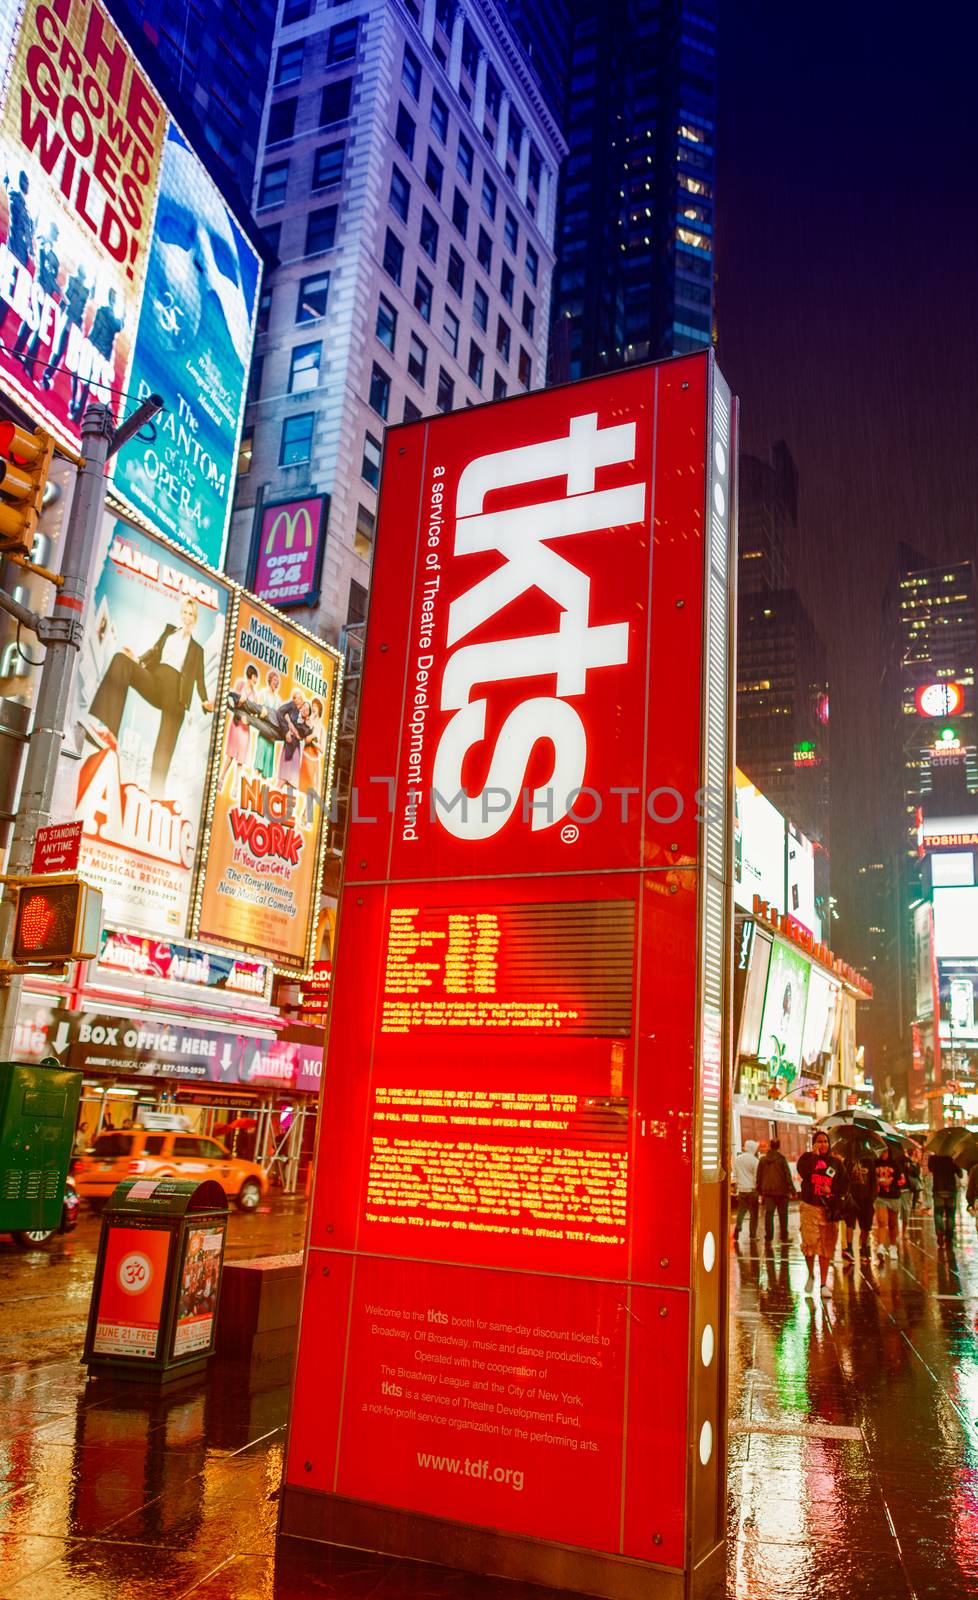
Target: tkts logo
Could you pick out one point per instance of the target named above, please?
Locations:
(553, 667)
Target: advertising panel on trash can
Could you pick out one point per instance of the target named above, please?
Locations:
(131, 1295)
(513, 1272)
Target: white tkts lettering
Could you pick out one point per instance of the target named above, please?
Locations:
(565, 656)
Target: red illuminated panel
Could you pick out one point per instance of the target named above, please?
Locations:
(939, 699)
(46, 920)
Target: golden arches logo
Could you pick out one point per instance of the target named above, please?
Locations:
(292, 521)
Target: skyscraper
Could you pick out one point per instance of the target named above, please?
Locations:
(635, 243)
(767, 519)
(210, 59)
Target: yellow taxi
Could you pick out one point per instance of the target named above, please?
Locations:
(151, 1153)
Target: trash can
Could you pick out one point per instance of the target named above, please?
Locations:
(38, 1111)
(157, 1285)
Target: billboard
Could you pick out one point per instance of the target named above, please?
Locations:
(956, 921)
(820, 1016)
(147, 683)
(923, 945)
(193, 347)
(783, 1021)
(530, 1015)
(122, 271)
(759, 847)
(81, 137)
(800, 897)
(262, 855)
(288, 556)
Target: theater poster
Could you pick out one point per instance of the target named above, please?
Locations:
(268, 799)
(140, 735)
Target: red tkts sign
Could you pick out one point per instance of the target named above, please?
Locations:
(512, 1349)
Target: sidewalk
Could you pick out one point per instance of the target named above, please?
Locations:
(853, 1461)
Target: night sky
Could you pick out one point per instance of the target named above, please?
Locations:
(847, 303)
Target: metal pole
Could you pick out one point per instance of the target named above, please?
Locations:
(54, 690)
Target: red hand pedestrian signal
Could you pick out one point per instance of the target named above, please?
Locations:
(57, 922)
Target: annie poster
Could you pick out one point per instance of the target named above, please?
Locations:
(262, 860)
(148, 681)
(81, 136)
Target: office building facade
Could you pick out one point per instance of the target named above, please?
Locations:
(767, 519)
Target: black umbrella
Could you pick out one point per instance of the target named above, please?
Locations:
(849, 1140)
(855, 1118)
(957, 1141)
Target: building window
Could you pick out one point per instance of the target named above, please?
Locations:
(422, 296)
(370, 465)
(404, 131)
(506, 283)
(511, 232)
(274, 182)
(246, 452)
(312, 297)
(502, 338)
(264, 311)
(295, 11)
(363, 543)
(532, 264)
(343, 42)
(356, 607)
(334, 106)
(417, 360)
(528, 315)
(411, 411)
(439, 118)
(399, 198)
(484, 251)
(255, 377)
(434, 173)
(288, 63)
(321, 230)
(304, 368)
(446, 390)
(272, 235)
(296, 442)
(488, 196)
(281, 121)
(386, 323)
(465, 158)
(526, 368)
(476, 363)
(498, 386)
(411, 73)
(460, 212)
(380, 391)
(480, 307)
(393, 256)
(327, 168)
(450, 328)
(429, 234)
(456, 271)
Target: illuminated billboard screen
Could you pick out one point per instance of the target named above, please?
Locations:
(956, 922)
(268, 797)
(759, 847)
(783, 1022)
(147, 685)
(820, 1014)
(958, 982)
(122, 272)
(530, 1009)
(800, 898)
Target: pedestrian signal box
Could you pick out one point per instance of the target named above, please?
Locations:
(25, 461)
(57, 922)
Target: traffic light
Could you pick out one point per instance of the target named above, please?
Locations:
(57, 922)
(25, 460)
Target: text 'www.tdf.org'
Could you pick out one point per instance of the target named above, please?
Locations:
(511, 1476)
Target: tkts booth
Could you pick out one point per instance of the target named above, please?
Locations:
(512, 1351)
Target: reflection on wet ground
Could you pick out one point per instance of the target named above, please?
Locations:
(853, 1447)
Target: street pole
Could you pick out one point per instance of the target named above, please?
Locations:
(54, 689)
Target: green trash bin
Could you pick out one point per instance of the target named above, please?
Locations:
(157, 1284)
(38, 1111)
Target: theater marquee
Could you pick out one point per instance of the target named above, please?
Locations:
(512, 1351)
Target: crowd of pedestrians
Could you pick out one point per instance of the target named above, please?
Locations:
(867, 1193)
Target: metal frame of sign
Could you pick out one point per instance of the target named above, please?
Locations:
(529, 1387)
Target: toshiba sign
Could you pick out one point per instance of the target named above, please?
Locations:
(529, 1026)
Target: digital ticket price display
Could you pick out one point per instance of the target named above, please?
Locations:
(513, 1341)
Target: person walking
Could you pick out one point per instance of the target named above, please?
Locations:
(775, 1187)
(745, 1180)
(859, 1207)
(971, 1193)
(823, 1187)
(890, 1185)
(944, 1173)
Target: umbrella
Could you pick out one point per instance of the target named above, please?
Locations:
(855, 1118)
(850, 1140)
(901, 1141)
(958, 1142)
(240, 1122)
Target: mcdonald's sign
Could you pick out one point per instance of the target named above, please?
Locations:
(288, 551)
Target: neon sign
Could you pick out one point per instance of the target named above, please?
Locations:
(939, 699)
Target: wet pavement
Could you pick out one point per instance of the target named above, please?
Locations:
(853, 1446)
